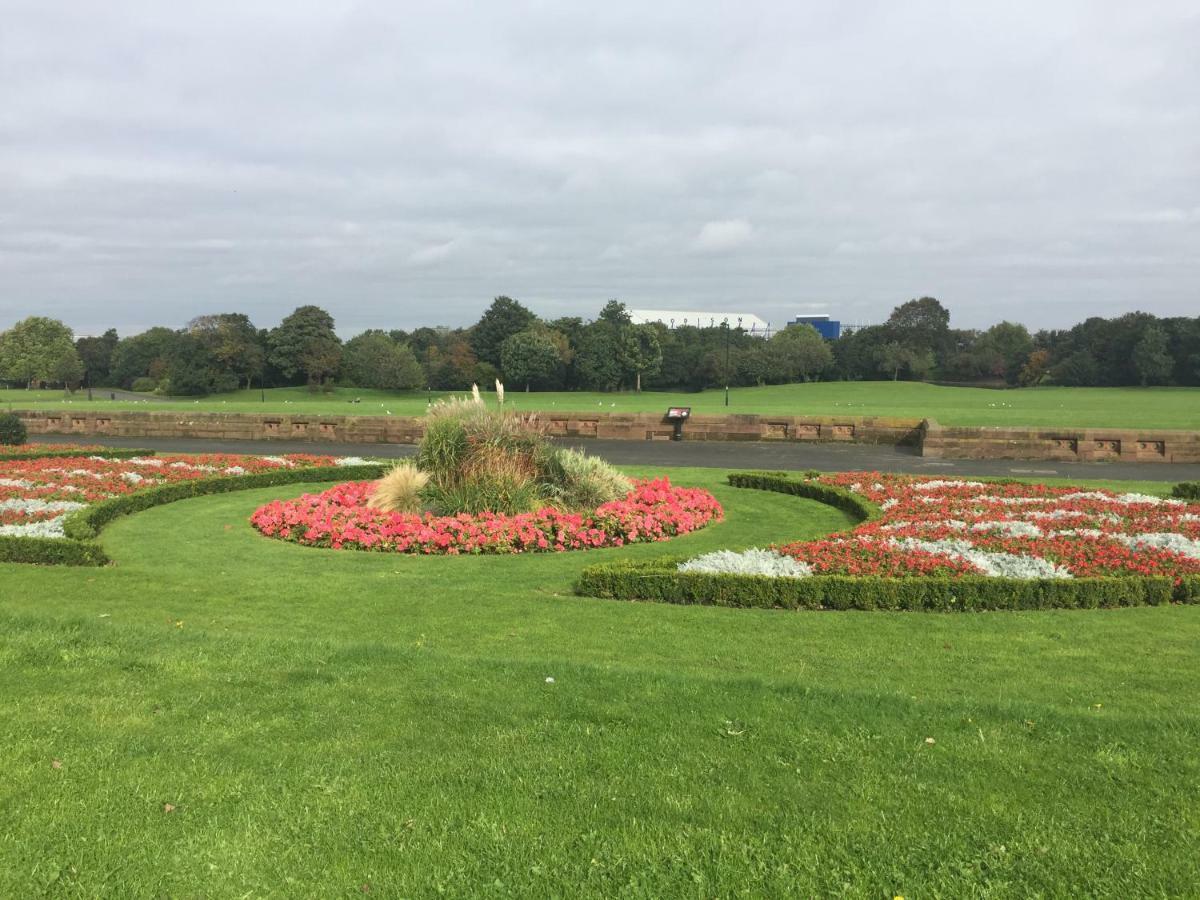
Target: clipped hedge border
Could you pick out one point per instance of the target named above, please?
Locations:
(859, 508)
(660, 581)
(1186, 490)
(82, 527)
(107, 453)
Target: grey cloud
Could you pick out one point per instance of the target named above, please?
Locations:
(403, 163)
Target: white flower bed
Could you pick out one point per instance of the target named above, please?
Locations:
(747, 562)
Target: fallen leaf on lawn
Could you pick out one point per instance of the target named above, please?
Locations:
(168, 807)
(56, 764)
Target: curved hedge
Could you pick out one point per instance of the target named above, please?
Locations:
(82, 527)
(1187, 490)
(107, 453)
(659, 580)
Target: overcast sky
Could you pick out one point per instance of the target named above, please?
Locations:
(402, 163)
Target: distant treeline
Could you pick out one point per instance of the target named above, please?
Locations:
(223, 352)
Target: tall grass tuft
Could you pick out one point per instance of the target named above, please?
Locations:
(400, 489)
(574, 480)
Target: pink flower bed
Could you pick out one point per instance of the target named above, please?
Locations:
(956, 527)
(339, 518)
(37, 494)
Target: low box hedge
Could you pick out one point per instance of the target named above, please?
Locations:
(659, 580)
(24, 451)
(859, 508)
(81, 527)
(1186, 490)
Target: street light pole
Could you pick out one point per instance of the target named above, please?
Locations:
(726, 363)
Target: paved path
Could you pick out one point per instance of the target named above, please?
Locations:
(715, 454)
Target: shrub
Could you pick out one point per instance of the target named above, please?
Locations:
(1187, 490)
(399, 490)
(661, 581)
(144, 385)
(575, 480)
(12, 430)
(481, 459)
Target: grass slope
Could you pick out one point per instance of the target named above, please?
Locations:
(1063, 407)
(325, 723)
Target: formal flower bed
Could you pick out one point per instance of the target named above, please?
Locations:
(339, 518)
(935, 527)
(36, 495)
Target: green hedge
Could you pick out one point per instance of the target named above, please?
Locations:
(108, 453)
(50, 551)
(786, 483)
(659, 580)
(82, 526)
(1187, 490)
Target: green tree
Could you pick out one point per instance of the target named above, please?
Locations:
(234, 344)
(142, 355)
(504, 318)
(1011, 344)
(306, 343)
(38, 350)
(798, 353)
(1151, 358)
(642, 353)
(598, 357)
(894, 358)
(1035, 369)
(530, 357)
(1080, 369)
(96, 354)
(373, 360)
(921, 325)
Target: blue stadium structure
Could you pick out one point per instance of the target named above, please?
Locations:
(830, 329)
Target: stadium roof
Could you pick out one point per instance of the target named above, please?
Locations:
(700, 318)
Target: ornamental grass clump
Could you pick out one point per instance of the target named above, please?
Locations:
(482, 459)
(575, 480)
(399, 490)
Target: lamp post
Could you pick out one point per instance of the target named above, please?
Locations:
(725, 324)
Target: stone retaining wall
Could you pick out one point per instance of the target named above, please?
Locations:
(1066, 444)
(407, 430)
(934, 440)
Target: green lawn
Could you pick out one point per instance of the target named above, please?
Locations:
(327, 723)
(1107, 407)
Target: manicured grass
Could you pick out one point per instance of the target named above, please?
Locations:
(1064, 407)
(326, 723)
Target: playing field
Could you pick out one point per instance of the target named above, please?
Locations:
(219, 714)
(1108, 407)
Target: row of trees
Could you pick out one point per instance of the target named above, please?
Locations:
(222, 352)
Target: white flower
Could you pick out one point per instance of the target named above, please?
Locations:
(235, 470)
(1175, 543)
(43, 528)
(15, 482)
(132, 477)
(146, 461)
(937, 483)
(1009, 528)
(34, 505)
(277, 460)
(350, 461)
(748, 562)
(995, 565)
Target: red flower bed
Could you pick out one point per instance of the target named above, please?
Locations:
(339, 518)
(932, 526)
(37, 494)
